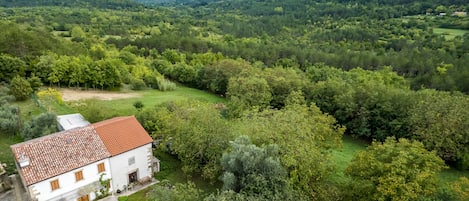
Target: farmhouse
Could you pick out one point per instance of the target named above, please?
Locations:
(83, 163)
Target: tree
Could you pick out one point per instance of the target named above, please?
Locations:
(78, 35)
(283, 81)
(246, 92)
(10, 67)
(215, 77)
(180, 192)
(255, 171)
(35, 83)
(38, 126)
(440, 120)
(394, 170)
(9, 115)
(194, 131)
(461, 188)
(20, 88)
(304, 136)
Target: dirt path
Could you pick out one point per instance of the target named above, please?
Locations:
(73, 95)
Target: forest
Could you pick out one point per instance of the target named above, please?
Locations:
(297, 76)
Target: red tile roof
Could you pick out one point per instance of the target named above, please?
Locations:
(122, 134)
(58, 153)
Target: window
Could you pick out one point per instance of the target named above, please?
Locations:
(79, 175)
(101, 168)
(131, 160)
(54, 184)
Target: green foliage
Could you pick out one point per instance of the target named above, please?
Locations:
(175, 122)
(215, 77)
(11, 67)
(282, 82)
(461, 188)
(138, 105)
(255, 171)
(9, 119)
(5, 95)
(20, 88)
(166, 85)
(123, 198)
(137, 84)
(93, 111)
(304, 135)
(179, 192)
(39, 126)
(441, 122)
(370, 104)
(105, 185)
(35, 83)
(50, 95)
(246, 92)
(78, 35)
(394, 170)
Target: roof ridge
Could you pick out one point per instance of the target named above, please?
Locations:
(52, 135)
(111, 121)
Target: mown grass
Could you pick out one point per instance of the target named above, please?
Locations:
(150, 98)
(450, 33)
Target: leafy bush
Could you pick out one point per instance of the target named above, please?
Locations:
(137, 84)
(166, 85)
(38, 126)
(50, 93)
(20, 88)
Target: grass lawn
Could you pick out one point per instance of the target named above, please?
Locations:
(6, 156)
(450, 33)
(342, 157)
(150, 98)
(119, 107)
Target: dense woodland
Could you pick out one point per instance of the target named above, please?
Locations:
(297, 74)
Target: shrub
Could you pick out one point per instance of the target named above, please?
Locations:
(20, 88)
(52, 94)
(166, 85)
(137, 84)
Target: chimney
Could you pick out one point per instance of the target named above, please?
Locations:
(23, 160)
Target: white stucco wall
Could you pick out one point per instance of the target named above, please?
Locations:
(120, 169)
(68, 186)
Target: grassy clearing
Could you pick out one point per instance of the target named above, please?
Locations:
(450, 33)
(341, 157)
(150, 98)
(119, 107)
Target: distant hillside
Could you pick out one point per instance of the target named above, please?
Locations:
(113, 4)
(176, 2)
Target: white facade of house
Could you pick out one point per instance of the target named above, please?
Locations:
(134, 161)
(65, 166)
(70, 189)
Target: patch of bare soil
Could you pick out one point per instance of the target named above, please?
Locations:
(74, 95)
